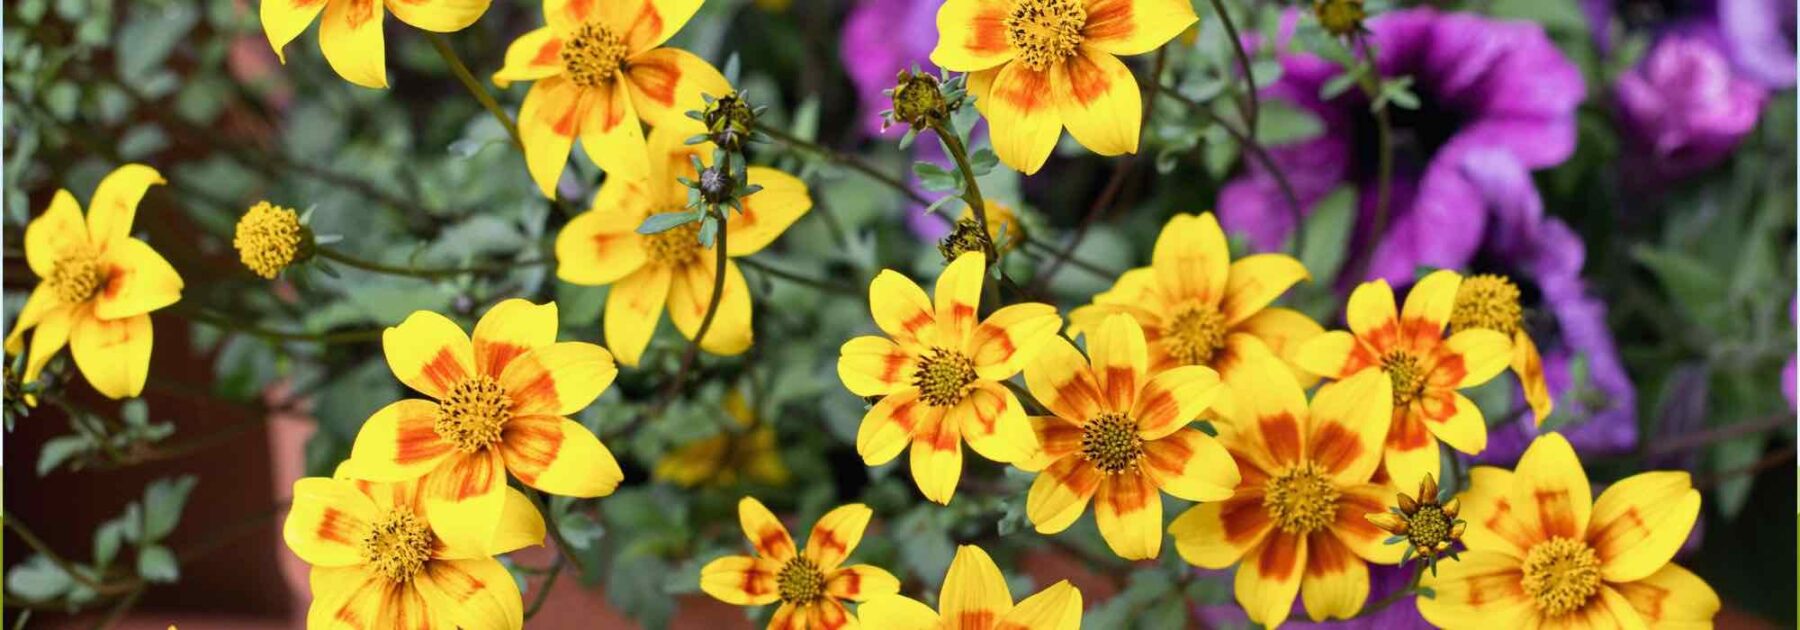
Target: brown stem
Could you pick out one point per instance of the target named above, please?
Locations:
(1384, 138)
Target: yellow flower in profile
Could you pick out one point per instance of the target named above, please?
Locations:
(599, 70)
(1425, 367)
(1037, 66)
(97, 286)
(1295, 525)
(940, 374)
(602, 246)
(975, 596)
(382, 557)
(1120, 437)
(1544, 553)
(749, 454)
(269, 238)
(808, 584)
(497, 405)
(1491, 302)
(350, 33)
(1197, 306)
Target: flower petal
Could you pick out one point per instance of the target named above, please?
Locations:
(1606, 609)
(558, 379)
(888, 427)
(1333, 354)
(533, 56)
(1336, 583)
(666, 83)
(1098, 100)
(1639, 523)
(860, 582)
(327, 521)
(1216, 535)
(1191, 465)
(937, 456)
(899, 612)
(465, 497)
(599, 247)
(646, 24)
(994, 423)
(114, 355)
(611, 133)
(836, 534)
(1255, 281)
(1430, 301)
(477, 593)
(1494, 523)
(788, 617)
(1271, 408)
(1355, 532)
(1055, 608)
(1529, 366)
(972, 36)
(1672, 597)
(115, 202)
(1056, 438)
(632, 311)
(521, 526)
(1476, 355)
(742, 580)
(1128, 510)
(139, 281)
(1481, 585)
(40, 303)
(1192, 260)
(559, 456)
(549, 120)
(1010, 337)
(1120, 361)
(766, 533)
(828, 614)
(348, 596)
(1550, 490)
(767, 213)
(1270, 577)
(509, 329)
(1172, 399)
(350, 35)
(1350, 421)
(1411, 451)
(399, 443)
(901, 309)
(1059, 378)
(284, 20)
(1371, 309)
(1023, 118)
(974, 588)
(439, 16)
(1464, 429)
(59, 229)
(1135, 27)
(430, 353)
(1060, 493)
(1283, 330)
(691, 296)
(874, 366)
(957, 297)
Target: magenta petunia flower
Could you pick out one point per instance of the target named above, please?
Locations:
(1684, 107)
(1761, 37)
(1484, 85)
(881, 38)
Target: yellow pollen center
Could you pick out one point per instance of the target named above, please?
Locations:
(398, 545)
(473, 414)
(1561, 575)
(593, 56)
(1407, 374)
(675, 246)
(943, 377)
(1111, 442)
(77, 275)
(1487, 302)
(1196, 334)
(800, 581)
(1428, 528)
(1301, 500)
(1045, 32)
(268, 238)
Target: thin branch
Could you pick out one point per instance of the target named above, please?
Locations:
(1702, 439)
(1384, 137)
(38, 544)
(971, 190)
(854, 162)
(822, 285)
(224, 323)
(428, 273)
(544, 587)
(1243, 57)
(461, 70)
(563, 548)
(1256, 151)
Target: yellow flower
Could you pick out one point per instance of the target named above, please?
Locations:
(599, 70)
(603, 246)
(497, 405)
(1491, 302)
(1199, 307)
(1543, 553)
(1004, 226)
(350, 33)
(1119, 436)
(975, 597)
(808, 584)
(940, 373)
(1036, 66)
(1425, 368)
(1294, 525)
(98, 286)
(749, 454)
(269, 238)
(1428, 527)
(383, 557)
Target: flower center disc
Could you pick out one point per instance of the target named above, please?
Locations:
(1407, 375)
(943, 377)
(593, 56)
(474, 413)
(800, 582)
(675, 246)
(1487, 302)
(1112, 443)
(1561, 575)
(77, 275)
(1428, 528)
(398, 545)
(1045, 32)
(1301, 500)
(1196, 334)
(267, 239)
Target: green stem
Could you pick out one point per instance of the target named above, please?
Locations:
(822, 285)
(224, 323)
(563, 548)
(1049, 250)
(427, 273)
(1257, 152)
(461, 70)
(544, 587)
(1243, 58)
(855, 163)
(1370, 80)
(971, 189)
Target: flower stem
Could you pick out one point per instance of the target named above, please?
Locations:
(544, 586)
(971, 190)
(822, 285)
(855, 163)
(1384, 138)
(563, 548)
(427, 273)
(461, 70)
(224, 323)
(1257, 152)
(1243, 57)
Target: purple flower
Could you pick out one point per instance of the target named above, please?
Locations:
(881, 38)
(1483, 85)
(1684, 107)
(1761, 36)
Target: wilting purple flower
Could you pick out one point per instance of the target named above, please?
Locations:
(1483, 85)
(881, 38)
(1761, 36)
(1685, 107)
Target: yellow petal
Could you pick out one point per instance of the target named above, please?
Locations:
(533, 56)
(1284, 331)
(1482, 354)
(327, 522)
(115, 203)
(1672, 597)
(874, 366)
(1023, 118)
(1270, 577)
(1216, 535)
(549, 120)
(559, 456)
(1135, 27)
(352, 596)
(1464, 429)
(1128, 509)
(898, 612)
(139, 281)
(611, 134)
(52, 334)
(399, 443)
(60, 229)
(632, 311)
(1336, 583)
(1120, 361)
(957, 297)
(42, 300)
(971, 36)
(114, 355)
(1172, 399)
(1606, 609)
(767, 213)
(1349, 422)
(1011, 336)
(464, 498)
(974, 587)
(860, 582)
(836, 534)
(1482, 585)
(646, 24)
(558, 379)
(691, 295)
(1271, 406)
(478, 593)
(1060, 379)
(1098, 99)
(1333, 354)
(901, 309)
(1429, 303)
(666, 83)
(441, 16)
(1359, 535)
(1191, 465)
(829, 614)
(888, 427)
(509, 329)
(994, 423)
(1371, 308)
(430, 353)
(741, 580)
(520, 526)
(937, 456)
(284, 20)
(1056, 438)
(1192, 260)
(1489, 510)
(1529, 366)
(766, 533)
(1255, 281)
(1060, 493)
(350, 35)
(600, 246)
(1054, 608)
(1639, 523)
(1411, 451)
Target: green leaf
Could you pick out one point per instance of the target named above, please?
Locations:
(665, 221)
(107, 540)
(937, 178)
(163, 502)
(37, 579)
(1327, 235)
(59, 449)
(1691, 285)
(157, 564)
(1280, 123)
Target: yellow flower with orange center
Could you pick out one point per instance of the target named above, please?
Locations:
(940, 374)
(382, 557)
(350, 33)
(1120, 437)
(1425, 367)
(647, 271)
(1491, 302)
(1037, 66)
(746, 453)
(1295, 524)
(601, 72)
(808, 584)
(97, 286)
(975, 597)
(1544, 553)
(497, 405)
(1197, 306)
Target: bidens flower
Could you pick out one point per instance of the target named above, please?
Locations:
(808, 584)
(1543, 553)
(1036, 66)
(350, 34)
(599, 71)
(603, 246)
(97, 286)
(975, 597)
(1119, 436)
(940, 372)
(1294, 525)
(269, 238)
(745, 453)
(382, 558)
(1197, 306)
(498, 405)
(1425, 368)
(1491, 302)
